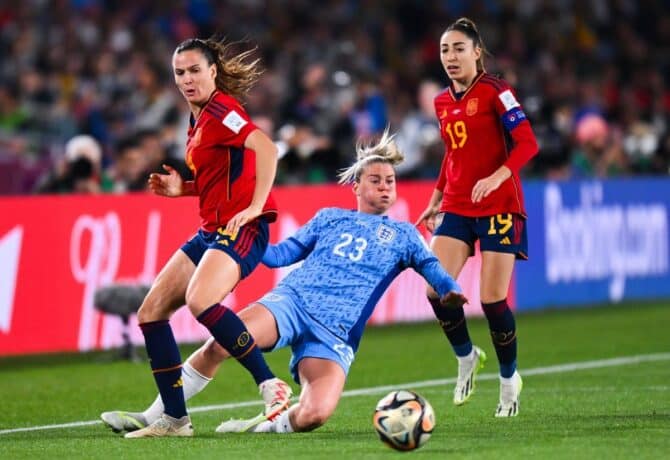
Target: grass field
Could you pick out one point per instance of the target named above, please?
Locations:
(596, 385)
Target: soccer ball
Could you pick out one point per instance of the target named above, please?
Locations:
(404, 420)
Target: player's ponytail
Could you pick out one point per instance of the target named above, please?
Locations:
(384, 151)
(234, 75)
(468, 27)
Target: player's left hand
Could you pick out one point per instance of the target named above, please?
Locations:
(453, 299)
(484, 187)
(242, 218)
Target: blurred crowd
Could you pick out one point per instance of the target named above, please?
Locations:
(88, 104)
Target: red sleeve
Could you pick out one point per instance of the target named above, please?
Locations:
(525, 147)
(515, 122)
(442, 179)
(234, 127)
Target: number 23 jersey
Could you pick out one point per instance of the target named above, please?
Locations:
(350, 258)
(482, 128)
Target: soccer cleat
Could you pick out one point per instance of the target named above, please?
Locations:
(467, 372)
(277, 396)
(120, 421)
(509, 396)
(165, 426)
(257, 424)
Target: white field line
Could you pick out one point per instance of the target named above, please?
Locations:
(557, 369)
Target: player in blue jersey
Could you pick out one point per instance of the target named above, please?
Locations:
(320, 309)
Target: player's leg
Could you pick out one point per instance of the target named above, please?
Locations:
(230, 259)
(322, 385)
(496, 275)
(453, 244)
(199, 369)
(502, 240)
(165, 296)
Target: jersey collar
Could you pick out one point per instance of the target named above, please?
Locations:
(452, 92)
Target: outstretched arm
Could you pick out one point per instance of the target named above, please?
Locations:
(285, 253)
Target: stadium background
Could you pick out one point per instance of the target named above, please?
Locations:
(593, 78)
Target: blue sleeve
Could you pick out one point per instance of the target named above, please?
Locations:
(427, 265)
(296, 247)
(285, 253)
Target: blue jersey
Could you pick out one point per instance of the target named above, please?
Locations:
(350, 258)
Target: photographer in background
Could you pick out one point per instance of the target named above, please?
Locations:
(79, 170)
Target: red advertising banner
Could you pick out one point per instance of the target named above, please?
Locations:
(55, 252)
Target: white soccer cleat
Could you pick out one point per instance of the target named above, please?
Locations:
(165, 426)
(277, 396)
(467, 372)
(120, 421)
(257, 424)
(509, 396)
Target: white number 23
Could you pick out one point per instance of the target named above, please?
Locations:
(341, 249)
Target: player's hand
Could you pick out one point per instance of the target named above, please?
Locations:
(453, 299)
(484, 187)
(427, 218)
(170, 184)
(242, 218)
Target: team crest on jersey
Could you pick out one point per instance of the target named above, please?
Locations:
(385, 233)
(444, 114)
(472, 106)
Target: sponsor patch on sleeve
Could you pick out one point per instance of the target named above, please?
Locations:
(508, 100)
(234, 121)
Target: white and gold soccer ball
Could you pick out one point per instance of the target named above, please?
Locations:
(404, 420)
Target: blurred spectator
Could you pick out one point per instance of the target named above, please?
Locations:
(418, 132)
(335, 72)
(79, 171)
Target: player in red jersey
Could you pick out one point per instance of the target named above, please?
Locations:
(478, 196)
(234, 165)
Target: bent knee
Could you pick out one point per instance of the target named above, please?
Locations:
(150, 310)
(213, 352)
(312, 416)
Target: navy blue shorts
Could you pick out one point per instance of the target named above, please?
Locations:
(500, 233)
(246, 247)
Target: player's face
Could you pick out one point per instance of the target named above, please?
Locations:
(459, 56)
(194, 76)
(376, 189)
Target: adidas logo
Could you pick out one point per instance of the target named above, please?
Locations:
(505, 240)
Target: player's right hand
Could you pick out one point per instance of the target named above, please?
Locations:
(170, 184)
(427, 218)
(453, 299)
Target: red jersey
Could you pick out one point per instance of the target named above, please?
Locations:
(482, 129)
(224, 171)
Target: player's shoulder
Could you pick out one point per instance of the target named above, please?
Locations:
(222, 105)
(330, 214)
(493, 83)
(442, 97)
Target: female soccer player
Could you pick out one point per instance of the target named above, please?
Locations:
(320, 309)
(234, 165)
(478, 193)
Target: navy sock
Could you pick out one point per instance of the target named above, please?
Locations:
(503, 334)
(231, 333)
(166, 365)
(452, 322)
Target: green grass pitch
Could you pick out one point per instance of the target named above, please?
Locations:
(596, 386)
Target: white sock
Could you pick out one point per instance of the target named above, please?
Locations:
(282, 424)
(264, 427)
(194, 383)
(466, 358)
